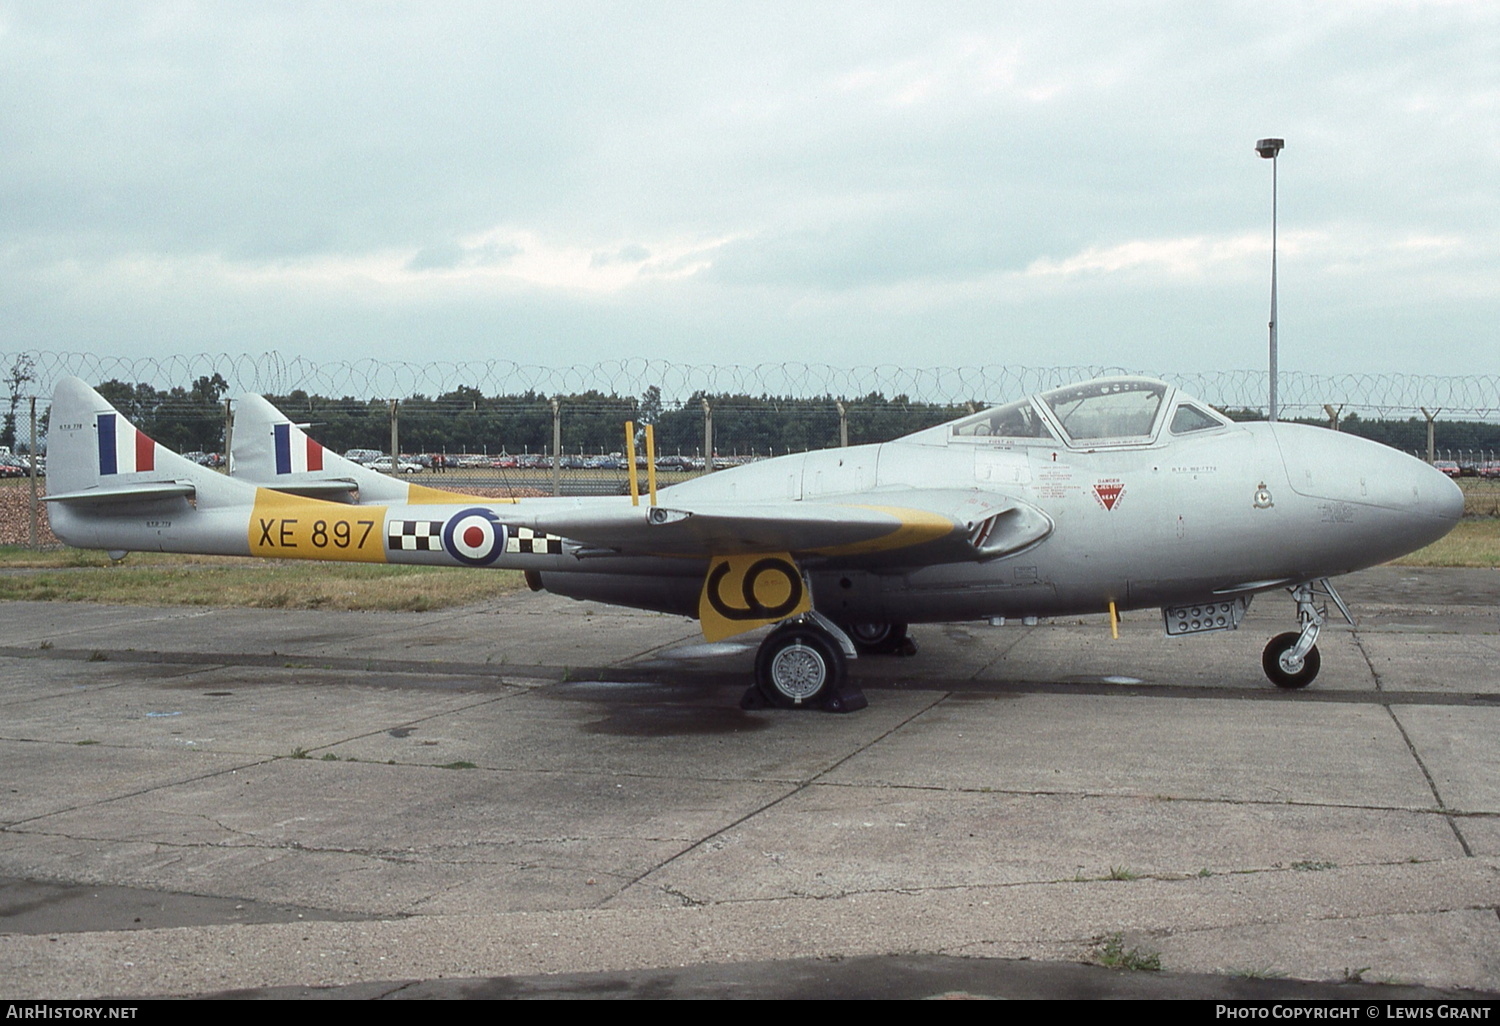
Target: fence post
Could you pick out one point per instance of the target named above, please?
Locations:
(1334, 414)
(32, 527)
(708, 439)
(843, 424)
(556, 447)
(395, 439)
(229, 434)
(1430, 418)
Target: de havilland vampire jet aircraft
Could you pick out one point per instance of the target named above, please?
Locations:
(1116, 494)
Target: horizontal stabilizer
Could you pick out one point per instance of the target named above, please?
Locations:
(337, 489)
(143, 492)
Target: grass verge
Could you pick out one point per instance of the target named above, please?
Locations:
(1474, 542)
(159, 579)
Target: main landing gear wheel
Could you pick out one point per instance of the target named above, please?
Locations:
(798, 666)
(1272, 661)
(880, 638)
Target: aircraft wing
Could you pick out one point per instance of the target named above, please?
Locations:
(878, 523)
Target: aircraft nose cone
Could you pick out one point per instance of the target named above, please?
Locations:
(1448, 498)
(1412, 487)
(1344, 472)
(1430, 502)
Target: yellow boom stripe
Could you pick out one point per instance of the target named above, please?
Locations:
(286, 526)
(421, 495)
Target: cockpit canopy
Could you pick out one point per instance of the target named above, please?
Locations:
(1105, 412)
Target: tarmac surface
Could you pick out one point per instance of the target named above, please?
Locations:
(542, 798)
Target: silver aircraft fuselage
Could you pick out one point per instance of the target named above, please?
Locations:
(1231, 510)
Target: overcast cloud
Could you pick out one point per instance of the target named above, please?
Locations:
(943, 184)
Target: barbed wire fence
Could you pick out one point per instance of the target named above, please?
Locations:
(1301, 394)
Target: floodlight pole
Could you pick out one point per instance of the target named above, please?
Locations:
(1269, 148)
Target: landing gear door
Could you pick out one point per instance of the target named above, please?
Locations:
(744, 592)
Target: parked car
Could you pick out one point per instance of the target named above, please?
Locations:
(1490, 469)
(1448, 467)
(403, 465)
(205, 459)
(10, 466)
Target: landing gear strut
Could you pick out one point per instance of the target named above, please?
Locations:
(803, 664)
(1291, 660)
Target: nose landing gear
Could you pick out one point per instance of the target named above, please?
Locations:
(1291, 660)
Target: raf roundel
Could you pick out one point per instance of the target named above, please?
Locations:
(474, 536)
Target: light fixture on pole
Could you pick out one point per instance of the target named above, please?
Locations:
(1268, 148)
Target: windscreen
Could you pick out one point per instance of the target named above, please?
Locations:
(1114, 410)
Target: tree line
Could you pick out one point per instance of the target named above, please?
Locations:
(1407, 434)
(465, 420)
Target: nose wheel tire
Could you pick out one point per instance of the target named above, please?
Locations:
(1271, 662)
(798, 666)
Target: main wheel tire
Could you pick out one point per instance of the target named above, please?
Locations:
(798, 666)
(876, 638)
(1270, 661)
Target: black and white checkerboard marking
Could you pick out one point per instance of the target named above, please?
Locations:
(415, 535)
(524, 539)
(427, 536)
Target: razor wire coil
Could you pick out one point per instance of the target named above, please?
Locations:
(365, 380)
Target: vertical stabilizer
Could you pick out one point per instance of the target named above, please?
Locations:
(92, 449)
(110, 486)
(271, 451)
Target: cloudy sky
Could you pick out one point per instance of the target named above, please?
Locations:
(929, 184)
